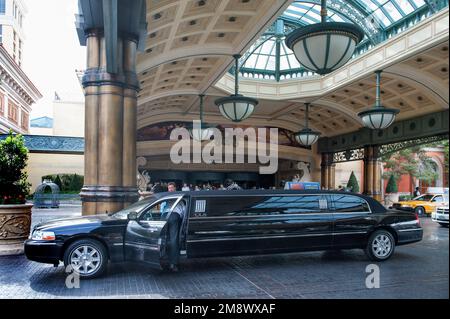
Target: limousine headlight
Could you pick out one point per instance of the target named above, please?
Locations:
(43, 235)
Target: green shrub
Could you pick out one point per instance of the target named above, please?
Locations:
(67, 183)
(13, 180)
(403, 198)
(392, 185)
(352, 184)
(58, 182)
(76, 184)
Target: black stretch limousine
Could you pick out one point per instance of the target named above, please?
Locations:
(225, 223)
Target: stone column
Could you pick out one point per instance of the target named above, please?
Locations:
(372, 173)
(129, 165)
(332, 177)
(377, 177)
(110, 133)
(328, 171)
(91, 121)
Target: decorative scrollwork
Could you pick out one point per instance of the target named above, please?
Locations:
(53, 143)
(349, 155)
(14, 226)
(143, 176)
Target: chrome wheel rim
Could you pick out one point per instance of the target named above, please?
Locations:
(382, 246)
(85, 259)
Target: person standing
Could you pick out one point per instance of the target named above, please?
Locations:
(417, 192)
(185, 188)
(174, 224)
(171, 187)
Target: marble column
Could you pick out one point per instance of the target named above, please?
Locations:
(372, 172)
(328, 171)
(377, 175)
(110, 133)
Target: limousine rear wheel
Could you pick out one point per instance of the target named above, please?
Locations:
(380, 246)
(87, 257)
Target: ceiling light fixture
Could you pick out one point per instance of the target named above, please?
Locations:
(326, 46)
(237, 107)
(199, 131)
(378, 117)
(307, 137)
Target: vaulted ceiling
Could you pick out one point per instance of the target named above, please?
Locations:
(190, 45)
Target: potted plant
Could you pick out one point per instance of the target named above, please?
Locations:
(391, 191)
(15, 214)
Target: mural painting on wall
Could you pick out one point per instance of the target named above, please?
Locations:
(161, 132)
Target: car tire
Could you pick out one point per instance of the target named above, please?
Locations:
(380, 246)
(87, 257)
(444, 225)
(420, 211)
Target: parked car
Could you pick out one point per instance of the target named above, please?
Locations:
(421, 205)
(225, 223)
(441, 215)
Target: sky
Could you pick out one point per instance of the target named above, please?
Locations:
(52, 51)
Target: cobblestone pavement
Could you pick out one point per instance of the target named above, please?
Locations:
(415, 271)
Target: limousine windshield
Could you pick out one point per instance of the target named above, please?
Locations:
(135, 208)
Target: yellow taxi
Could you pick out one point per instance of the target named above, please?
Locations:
(424, 204)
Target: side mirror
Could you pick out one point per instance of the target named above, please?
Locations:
(133, 216)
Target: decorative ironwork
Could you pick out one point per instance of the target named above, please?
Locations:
(383, 150)
(425, 127)
(349, 155)
(395, 147)
(53, 144)
(371, 29)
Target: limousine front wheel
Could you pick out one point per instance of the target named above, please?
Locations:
(380, 246)
(87, 257)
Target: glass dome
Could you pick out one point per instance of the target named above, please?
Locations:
(269, 58)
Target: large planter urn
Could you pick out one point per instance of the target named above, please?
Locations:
(15, 223)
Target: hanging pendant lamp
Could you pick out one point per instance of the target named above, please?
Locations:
(236, 107)
(200, 131)
(326, 46)
(378, 117)
(307, 137)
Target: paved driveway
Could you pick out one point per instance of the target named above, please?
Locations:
(415, 271)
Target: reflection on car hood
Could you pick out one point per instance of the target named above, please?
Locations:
(79, 221)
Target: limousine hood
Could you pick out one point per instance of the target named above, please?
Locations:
(80, 222)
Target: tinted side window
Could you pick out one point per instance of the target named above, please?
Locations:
(257, 205)
(349, 204)
(290, 204)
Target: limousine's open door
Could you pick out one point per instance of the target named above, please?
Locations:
(145, 238)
